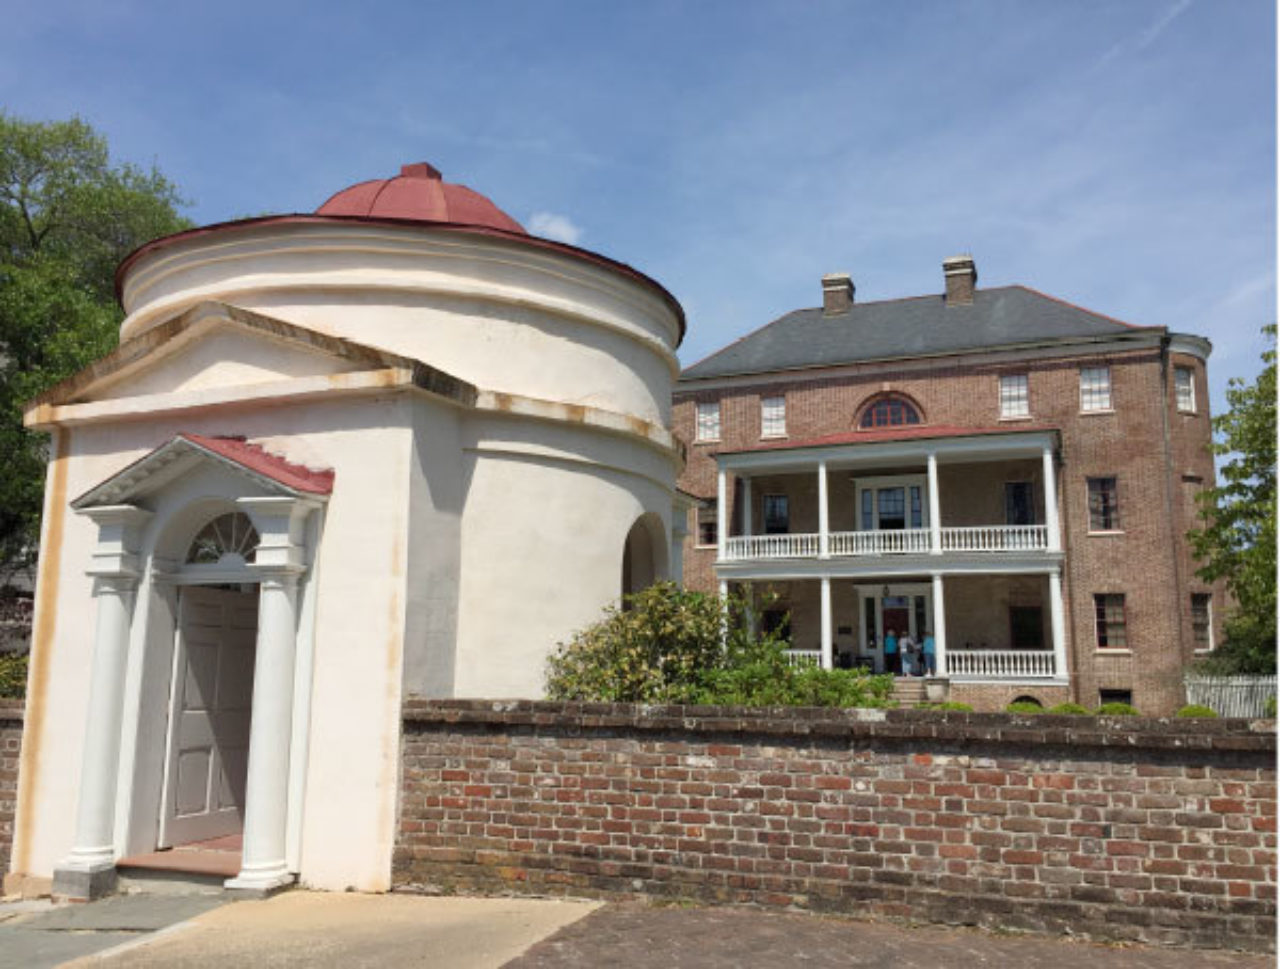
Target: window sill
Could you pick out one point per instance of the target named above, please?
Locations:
(1101, 412)
(1203, 652)
(774, 437)
(1187, 413)
(1020, 417)
(705, 548)
(707, 440)
(1106, 533)
(1113, 651)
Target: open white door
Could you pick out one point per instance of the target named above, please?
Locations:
(211, 702)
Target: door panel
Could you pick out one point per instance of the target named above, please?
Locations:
(209, 714)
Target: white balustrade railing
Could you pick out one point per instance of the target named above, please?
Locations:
(804, 657)
(890, 542)
(902, 541)
(996, 538)
(770, 547)
(999, 664)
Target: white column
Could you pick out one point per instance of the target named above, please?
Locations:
(722, 520)
(1051, 501)
(1057, 625)
(89, 870)
(746, 507)
(264, 863)
(279, 560)
(939, 625)
(935, 507)
(827, 660)
(824, 528)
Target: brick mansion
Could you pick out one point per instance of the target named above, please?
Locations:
(1008, 472)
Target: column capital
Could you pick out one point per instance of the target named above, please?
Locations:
(119, 538)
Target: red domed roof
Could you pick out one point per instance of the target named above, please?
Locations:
(419, 194)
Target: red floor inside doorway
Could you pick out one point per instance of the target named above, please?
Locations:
(217, 856)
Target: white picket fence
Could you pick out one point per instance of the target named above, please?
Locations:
(1231, 696)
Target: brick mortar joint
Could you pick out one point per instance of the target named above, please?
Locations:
(1220, 736)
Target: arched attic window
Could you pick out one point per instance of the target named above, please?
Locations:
(229, 535)
(892, 410)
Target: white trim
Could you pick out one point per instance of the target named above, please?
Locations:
(876, 483)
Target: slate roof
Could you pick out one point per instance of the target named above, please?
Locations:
(917, 326)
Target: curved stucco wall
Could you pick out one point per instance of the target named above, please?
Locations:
(498, 313)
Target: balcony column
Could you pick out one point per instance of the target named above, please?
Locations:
(746, 507)
(824, 528)
(827, 661)
(1051, 501)
(722, 520)
(939, 625)
(935, 507)
(1057, 625)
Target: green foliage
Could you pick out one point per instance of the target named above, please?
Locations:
(664, 646)
(67, 217)
(1197, 710)
(953, 705)
(1024, 706)
(1073, 709)
(1117, 710)
(13, 675)
(1238, 541)
(1269, 708)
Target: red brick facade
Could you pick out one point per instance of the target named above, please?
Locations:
(1158, 455)
(11, 721)
(1121, 829)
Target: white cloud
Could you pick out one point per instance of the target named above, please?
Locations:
(549, 225)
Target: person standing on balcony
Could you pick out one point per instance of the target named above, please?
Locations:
(907, 649)
(891, 664)
(929, 654)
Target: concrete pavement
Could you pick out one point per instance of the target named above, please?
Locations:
(322, 930)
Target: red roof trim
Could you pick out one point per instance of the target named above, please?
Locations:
(586, 255)
(253, 457)
(901, 433)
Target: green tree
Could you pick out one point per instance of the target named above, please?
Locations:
(1238, 540)
(67, 218)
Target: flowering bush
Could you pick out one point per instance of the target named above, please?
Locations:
(670, 645)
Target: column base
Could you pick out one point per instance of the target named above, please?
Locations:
(260, 884)
(84, 883)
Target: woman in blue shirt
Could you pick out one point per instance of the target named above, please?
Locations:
(891, 653)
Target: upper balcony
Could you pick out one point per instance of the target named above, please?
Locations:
(929, 499)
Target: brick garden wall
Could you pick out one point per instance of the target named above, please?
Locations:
(10, 745)
(1160, 831)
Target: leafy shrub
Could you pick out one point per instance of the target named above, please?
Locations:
(1117, 710)
(1074, 709)
(13, 675)
(955, 705)
(665, 646)
(1269, 708)
(1024, 706)
(1197, 710)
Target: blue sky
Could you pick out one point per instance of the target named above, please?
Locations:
(1120, 155)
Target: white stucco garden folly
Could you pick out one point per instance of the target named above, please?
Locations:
(397, 447)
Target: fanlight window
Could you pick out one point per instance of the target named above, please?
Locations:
(889, 412)
(230, 535)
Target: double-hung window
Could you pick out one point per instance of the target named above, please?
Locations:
(773, 417)
(1095, 388)
(1108, 611)
(1185, 387)
(1104, 506)
(1201, 621)
(709, 421)
(1014, 401)
(708, 533)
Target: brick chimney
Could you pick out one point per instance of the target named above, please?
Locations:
(962, 278)
(837, 294)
